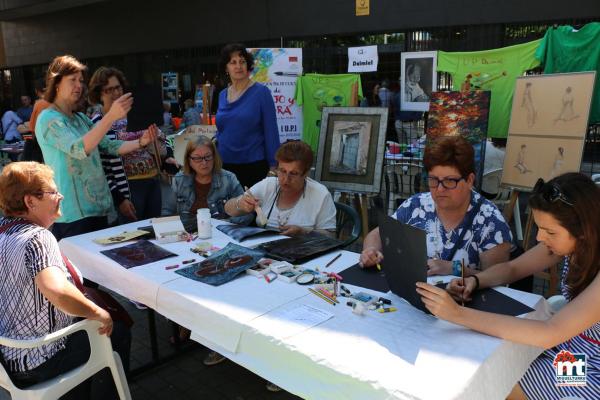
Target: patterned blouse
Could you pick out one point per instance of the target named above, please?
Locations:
(487, 230)
(25, 250)
(79, 176)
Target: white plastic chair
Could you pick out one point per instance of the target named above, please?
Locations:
(101, 356)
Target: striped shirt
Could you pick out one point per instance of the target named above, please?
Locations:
(25, 250)
(539, 382)
(113, 169)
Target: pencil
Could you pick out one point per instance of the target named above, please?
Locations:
(462, 277)
(321, 295)
(333, 260)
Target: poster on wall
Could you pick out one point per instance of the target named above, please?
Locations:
(547, 128)
(418, 80)
(362, 59)
(170, 86)
(278, 69)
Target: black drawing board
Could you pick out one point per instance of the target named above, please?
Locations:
(405, 257)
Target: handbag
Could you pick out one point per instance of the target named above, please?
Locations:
(163, 176)
(101, 298)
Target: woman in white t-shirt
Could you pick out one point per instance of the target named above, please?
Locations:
(291, 202)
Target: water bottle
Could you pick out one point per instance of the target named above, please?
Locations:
(204, 223)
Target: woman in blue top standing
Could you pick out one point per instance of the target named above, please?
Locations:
(247, 136)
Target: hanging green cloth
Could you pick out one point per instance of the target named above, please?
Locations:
(315, 91)
(566, 49)
(494, 70)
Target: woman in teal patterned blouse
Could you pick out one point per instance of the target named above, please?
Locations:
(70, 141)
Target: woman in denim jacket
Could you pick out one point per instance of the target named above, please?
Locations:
(204, 183)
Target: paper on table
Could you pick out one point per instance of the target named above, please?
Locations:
(283, 323)
(121, 237)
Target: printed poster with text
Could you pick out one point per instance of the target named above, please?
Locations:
(278, 69)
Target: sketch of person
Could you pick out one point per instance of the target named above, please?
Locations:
(566, 112)
(527, 103)
(557, 166)
(520, 165)
(413, 90)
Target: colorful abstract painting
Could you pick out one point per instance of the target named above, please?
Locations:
(461, 113)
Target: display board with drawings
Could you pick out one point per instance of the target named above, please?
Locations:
(547, 129)
(181, 139)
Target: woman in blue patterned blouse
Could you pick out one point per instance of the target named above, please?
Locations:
(449, 208)
(565, 210)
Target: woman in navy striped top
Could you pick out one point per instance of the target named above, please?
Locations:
(565, 210)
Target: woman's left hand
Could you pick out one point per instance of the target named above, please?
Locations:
(438, 267)
(149, 135)
(173, 161)
(438, 301)
(292, 230)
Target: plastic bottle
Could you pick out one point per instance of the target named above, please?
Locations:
(204, 223)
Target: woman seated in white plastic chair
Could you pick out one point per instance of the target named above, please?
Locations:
(37, 294)
(565, 210)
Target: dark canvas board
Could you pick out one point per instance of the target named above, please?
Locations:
(223, 266)
(136, 254)
(300, 249)
(241, 232)
(491, 300)
(368, 278)
(405, 256)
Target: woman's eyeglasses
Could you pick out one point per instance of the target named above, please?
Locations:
(54, 193)
(551, 192)
(291, 174)
(207, 158)
(112, 89)
(447, 183)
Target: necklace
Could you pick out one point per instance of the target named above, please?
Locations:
(284, 216)
(233, 94)
(60, 109)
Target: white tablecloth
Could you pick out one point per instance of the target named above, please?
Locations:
(404, 354)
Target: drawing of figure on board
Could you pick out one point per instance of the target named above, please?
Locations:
(557, 166)
(567, 113)
(521, 165)
(527, 103)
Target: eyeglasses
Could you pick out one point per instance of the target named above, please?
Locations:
(207, 158)
(551, 192)
(291, 175)
(53, 193)
(112, 89)
(235, 62)
(447, 183)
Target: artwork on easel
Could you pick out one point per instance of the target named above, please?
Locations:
(547, 127)
(461, 113)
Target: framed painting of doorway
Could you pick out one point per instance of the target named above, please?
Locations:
(351, 148)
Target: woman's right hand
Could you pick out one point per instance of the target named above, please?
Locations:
(247, 203)
(456, 289)
(105, 319)
(120, 107)
(370, 256)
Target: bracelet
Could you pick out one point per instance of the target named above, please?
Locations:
(476, 282)
(140, 142)
(237, 203)
(456, 268)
